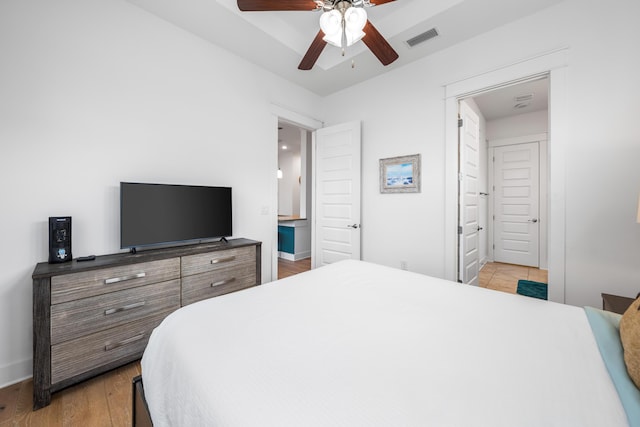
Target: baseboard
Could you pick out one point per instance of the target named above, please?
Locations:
(302, 255)
(294, 257)
(287, 256)
(15, 372)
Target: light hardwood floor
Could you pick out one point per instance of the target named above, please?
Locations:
(106, 399)
(504, 277)
(102, 401)
(288, 268)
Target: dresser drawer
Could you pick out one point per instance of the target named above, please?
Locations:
(86, 284)
(212, 284)
(92, 351)
(74, 319)
(219, 260)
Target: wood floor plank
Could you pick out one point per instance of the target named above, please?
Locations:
(25, 416)
(8, 402)
(86, 404)
(51, 416)
(118, 384)
(101, 401)
(288, 268)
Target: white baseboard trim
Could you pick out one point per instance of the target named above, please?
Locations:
(286, 255)
(15, 372)
(294, 257)
(302, 255)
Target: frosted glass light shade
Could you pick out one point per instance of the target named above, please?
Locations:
(334, 39)
(355, 19)
(331, 23)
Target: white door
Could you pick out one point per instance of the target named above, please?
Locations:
(336, 186)
(469, 148)
(516, 204)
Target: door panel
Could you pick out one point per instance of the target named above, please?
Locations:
(469, 263)
(337, 194)
(516, 204)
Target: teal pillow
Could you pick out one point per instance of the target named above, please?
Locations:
(606, 330)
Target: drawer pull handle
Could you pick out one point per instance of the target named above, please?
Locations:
(124, 278)
(124, 308)
(223, 282)
(219, 260)
(111, 346)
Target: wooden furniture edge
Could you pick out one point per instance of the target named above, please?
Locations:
(41, 342)
(615, 303)
(141, 417)
(44, 269)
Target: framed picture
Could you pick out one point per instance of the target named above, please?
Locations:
(400, 174)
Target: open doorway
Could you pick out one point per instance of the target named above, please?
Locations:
(294, 199)
(554, 65)
(503, 185)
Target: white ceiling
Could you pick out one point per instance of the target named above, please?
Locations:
(277, 41)
(507, 101)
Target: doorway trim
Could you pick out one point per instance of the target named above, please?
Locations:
(554, 65)
(302, 121)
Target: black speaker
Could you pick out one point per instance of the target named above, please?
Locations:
(60, 239)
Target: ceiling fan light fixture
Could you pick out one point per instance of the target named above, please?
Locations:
(342, 23)
(331, 24)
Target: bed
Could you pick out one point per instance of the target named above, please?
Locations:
(359, 344)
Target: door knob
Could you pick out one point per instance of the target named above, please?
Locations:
(480, 228)
(354, 226)
(534, 220)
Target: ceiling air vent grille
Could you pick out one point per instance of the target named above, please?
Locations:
(421, 38)
(523, 98)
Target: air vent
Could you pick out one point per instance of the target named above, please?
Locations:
(523, 98)
(421, 38)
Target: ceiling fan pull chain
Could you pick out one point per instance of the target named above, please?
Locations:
(344, 34)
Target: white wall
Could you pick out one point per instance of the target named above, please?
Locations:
(94, 92)
(403, 112)
(522, 124)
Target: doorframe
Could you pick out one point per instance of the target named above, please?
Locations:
(554, 65)
(281, 114)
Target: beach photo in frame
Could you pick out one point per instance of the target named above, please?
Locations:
(400, 174)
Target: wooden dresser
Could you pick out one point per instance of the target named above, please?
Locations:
(90, 317)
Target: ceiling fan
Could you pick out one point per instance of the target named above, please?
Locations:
(342, 23)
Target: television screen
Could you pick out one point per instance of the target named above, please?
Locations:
(155, 214)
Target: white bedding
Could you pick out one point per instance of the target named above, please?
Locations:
(358, 344)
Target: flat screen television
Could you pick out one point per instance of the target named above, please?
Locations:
(162, 214)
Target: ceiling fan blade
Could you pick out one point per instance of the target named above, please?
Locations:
(379, 2)
(267, 5)
(313, 53)
(378, 45)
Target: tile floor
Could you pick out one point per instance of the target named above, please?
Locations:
(504, 277)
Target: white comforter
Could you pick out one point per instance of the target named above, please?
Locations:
(357, 344)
